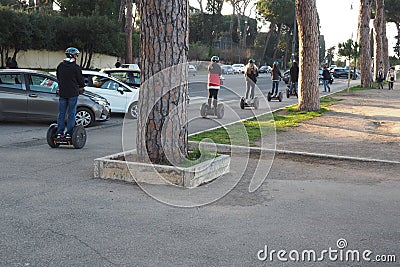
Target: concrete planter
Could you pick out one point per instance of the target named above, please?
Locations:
(122, 166)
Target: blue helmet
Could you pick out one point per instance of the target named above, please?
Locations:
(72, 52)
(276, 63)
(252, 60)
(215, 59)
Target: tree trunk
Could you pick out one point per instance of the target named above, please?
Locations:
(162, 122)
(306, 12)
(128, 31)
(378, 36)
(385, 44)
(268, 37)
(364, 41)
(278, 39)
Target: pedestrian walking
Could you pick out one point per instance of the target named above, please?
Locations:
(391, 77)
(326, 77)
(380, 78)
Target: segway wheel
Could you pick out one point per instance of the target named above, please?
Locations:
(287, 93)
(220, 111)
(256, 103)
(242, 103)
(280, 96)
(52, 135)
(269, 96)
(203, 110)
(78, 138)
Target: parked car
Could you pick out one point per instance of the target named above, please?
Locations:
(122, 97)
(129, 76)
(286, 76)
(227, 69)
(192, 69)
(32, 95)
(264, 69)
(342, 73)
(238, 68)
(130, 66)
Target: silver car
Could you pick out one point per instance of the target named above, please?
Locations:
(32, 95)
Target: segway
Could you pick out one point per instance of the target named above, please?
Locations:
(77, 140)
(293, 93)
(206, 110)
(279, 97)
(251, 103)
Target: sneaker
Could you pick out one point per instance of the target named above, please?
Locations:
(68, 136)
(58, 136)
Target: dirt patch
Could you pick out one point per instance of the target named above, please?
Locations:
(364, 124)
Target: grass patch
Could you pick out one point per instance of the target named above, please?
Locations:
(248, 132)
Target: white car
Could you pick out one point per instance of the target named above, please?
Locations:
(238, 68)
(122, 97)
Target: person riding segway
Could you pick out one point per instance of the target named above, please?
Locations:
(294, 78)
(276, 76)
(71, 84)
(214, 84)
(251, 74)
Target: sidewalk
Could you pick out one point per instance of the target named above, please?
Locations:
(363, 124)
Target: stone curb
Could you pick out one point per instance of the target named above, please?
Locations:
(258, 151)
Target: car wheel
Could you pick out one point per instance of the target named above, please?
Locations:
(133, 110)
(84, 117)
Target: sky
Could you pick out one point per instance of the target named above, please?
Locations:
(338, 21)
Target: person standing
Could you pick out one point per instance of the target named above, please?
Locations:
(391, 78)
(326, 77)
(118, 63)
(380, 78)
(70, 83)
(294, 77)
(276, 76)
(251, 74)
(214, 81)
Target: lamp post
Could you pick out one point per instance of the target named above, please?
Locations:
(294, 33)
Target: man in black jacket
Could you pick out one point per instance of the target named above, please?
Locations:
(70, 83)
(326, 77)
(294, 77)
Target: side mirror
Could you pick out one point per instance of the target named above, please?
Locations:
(121, 90)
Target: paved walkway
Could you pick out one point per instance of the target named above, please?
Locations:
(363, 124)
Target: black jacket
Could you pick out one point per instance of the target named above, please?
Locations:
(70, 79)
(326, 74)
(294, 74)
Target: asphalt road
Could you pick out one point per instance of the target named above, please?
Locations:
(232, 90)
(53, 213)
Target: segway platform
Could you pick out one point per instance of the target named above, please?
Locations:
(205, 110)
(77, 140)
(293, 93)
(252, 103)
(279, 97)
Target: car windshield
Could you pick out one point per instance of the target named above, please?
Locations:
(128, 77)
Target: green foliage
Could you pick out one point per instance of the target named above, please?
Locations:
(90, 34)
(263, 125)
(277, 11)
(107, 8)
(349, 49)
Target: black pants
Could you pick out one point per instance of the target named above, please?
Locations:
(213, 93)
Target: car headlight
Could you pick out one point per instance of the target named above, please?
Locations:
(100, 101)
